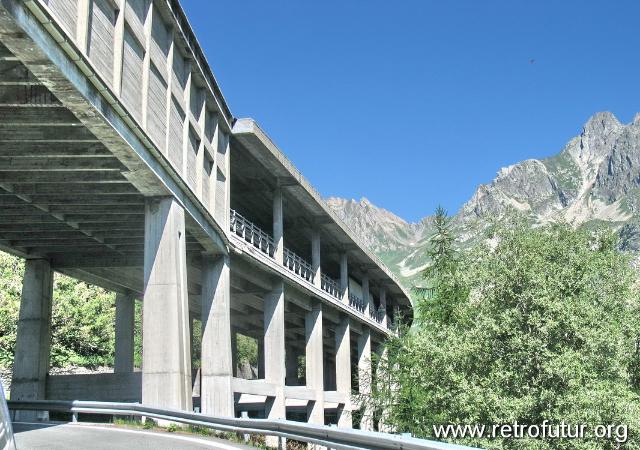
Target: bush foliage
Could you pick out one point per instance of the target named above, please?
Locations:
(531, 325)
(82, 324)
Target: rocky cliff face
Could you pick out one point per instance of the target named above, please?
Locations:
(594, 179)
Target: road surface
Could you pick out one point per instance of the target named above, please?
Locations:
(99, 437)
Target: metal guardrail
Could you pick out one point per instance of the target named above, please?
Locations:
(332, 437)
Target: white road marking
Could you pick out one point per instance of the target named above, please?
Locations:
(216, 445)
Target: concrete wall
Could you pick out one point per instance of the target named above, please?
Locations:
(103, 387)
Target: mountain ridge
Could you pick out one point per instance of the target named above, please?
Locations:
(595, 178)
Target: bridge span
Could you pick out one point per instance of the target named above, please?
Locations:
(122, 165)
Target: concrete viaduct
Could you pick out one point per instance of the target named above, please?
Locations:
(121, 165)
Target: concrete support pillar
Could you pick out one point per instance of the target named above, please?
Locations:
(274, 354)
(261, 358)
(314, 362)
(383, 307)
(234, 352)
(344, 278)
(366, 298)
(278, 226)
(216, 397)
(33, 340)
(315, 258)
(125, 315)
(343, 370)
(365, 378)
(166, 356)
(291, 367)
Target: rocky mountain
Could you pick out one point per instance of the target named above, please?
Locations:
(594, 179)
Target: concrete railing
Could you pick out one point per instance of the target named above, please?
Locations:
(331, 437)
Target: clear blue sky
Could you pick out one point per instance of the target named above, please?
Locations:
(414, 103)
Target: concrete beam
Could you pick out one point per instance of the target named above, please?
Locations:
(166, 366)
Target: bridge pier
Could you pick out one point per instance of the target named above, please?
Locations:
(166, 364)
(365, 378)
(125, 315)
(315, 363)
(343, 370)
(33, 340)
(216, 394)
(274, 354)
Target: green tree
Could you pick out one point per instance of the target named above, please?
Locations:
(436, 301)
(544, 325)
(82, 324)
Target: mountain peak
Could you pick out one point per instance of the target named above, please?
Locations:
(364, 201)
(601, 122)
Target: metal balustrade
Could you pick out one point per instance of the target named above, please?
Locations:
(377, 314)
(251, 233)
(356, 303)
(298, 265)
(329, 285)
(254, 235)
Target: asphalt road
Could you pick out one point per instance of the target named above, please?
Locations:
(98, 437)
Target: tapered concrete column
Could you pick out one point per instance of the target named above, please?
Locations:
(383, 307)
(291, 367)
(314, 361)
(261, 358)
(234, 352)
(166, 355)
(274, 354)
(315, 258)
(125, 315)
(343, 370)
(344, 278)
(33, 340)
(216, 397)
(366, 298)
(278, 225)
(365, 378)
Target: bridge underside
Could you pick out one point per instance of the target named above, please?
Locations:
(85, 192)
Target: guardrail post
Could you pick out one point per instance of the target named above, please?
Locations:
(245, 415)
